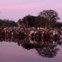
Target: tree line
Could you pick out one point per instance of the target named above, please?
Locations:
(46, 18)
(8, 23)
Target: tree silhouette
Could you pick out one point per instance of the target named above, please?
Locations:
(51, 17)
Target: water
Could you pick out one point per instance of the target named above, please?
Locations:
(12, 52)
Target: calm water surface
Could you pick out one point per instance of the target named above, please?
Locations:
(11, 52)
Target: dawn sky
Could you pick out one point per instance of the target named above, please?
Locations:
(17, 9)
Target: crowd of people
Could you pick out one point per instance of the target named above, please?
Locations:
(42, 35)
(46, 35)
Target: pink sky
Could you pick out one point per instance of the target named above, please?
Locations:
(16, 9)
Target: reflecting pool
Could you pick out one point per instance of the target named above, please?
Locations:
(14, 50)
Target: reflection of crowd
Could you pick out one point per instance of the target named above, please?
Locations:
(43, 40)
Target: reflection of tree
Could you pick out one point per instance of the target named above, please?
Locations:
(28, 46)
(47, 49)
(47, 52)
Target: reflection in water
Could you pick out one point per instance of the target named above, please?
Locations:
(47, 51)
(44, 48)
(45, 42)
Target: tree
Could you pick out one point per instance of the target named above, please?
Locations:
(29, 20)
(51, 17)
(58, 25)
(34, 21)
(8, 23)
(46, 18)
(40, 22)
